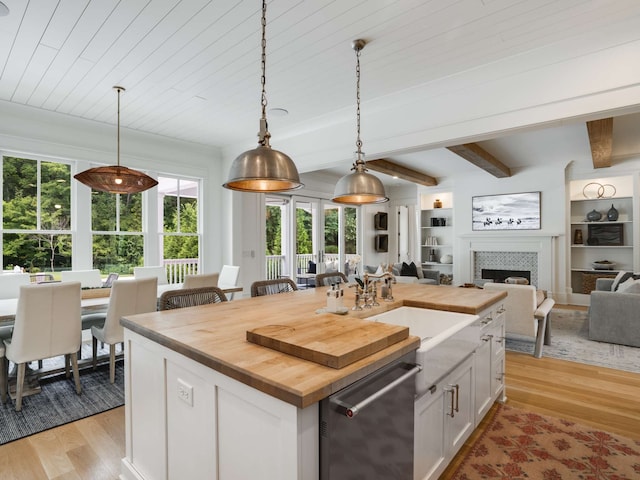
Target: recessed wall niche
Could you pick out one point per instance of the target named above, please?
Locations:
(380, 221)
(382, 243)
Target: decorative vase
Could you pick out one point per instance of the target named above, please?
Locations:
(594, 215)
(612, 214)
(437, 204)
(446, 258)
(577, 237)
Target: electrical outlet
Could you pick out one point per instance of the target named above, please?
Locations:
(185, 392)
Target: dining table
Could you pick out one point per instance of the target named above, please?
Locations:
(9, 306)
(95, 304)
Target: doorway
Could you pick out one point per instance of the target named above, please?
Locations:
(306, 236)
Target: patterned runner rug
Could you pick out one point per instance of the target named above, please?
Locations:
(518, 445)
(570, 341)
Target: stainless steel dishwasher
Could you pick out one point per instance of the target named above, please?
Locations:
(366, 429)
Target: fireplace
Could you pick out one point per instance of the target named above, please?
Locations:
(499, 276)
(506, 264)
(534, 253)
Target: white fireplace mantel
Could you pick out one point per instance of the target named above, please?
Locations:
(542, 244)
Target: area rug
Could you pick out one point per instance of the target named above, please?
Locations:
(58, 403)
(522, 445)
(570, 341)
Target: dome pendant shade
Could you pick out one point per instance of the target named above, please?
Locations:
(116, 179)
(359, 188)
(263, 170)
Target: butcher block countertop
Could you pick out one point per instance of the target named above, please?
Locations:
(216, 336)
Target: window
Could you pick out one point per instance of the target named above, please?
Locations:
(36, 215)
(179, 217)
(324, 232)
(116, 224)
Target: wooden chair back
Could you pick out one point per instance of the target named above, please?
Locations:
(271, 287)
(191, 297)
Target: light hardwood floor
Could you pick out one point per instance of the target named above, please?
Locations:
(91, 448)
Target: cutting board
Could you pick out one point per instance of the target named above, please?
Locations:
(333, 342)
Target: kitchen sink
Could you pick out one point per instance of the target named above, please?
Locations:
(447, 339)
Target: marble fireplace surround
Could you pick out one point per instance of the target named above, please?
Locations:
(526, 252)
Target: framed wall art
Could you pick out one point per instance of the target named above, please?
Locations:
(511, 211)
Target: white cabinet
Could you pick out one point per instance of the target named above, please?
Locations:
(444, 419)
(436, 233)
(185, 420)
(489, 362)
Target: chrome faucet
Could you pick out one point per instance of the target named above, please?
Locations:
(357, 305)
(388, 278)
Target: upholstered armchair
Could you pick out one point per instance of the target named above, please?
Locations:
(613, 316)
(527, 312)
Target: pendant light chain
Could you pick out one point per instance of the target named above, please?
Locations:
(263, 79)
(358, 141)
(264, 135)
(119, 89)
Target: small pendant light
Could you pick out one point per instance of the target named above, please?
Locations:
(263, 169)
(359, 187)
(115, 178)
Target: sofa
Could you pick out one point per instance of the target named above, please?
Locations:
(614, 316)
(407, 275)
(527, 312)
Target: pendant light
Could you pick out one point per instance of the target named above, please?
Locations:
(115, 178)
(263, 169)
(359, 187)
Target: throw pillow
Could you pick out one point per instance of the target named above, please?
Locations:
(311, 268)
(331, 267)
(395, 269)
(408, 270)
(634, 287)
(629, 286)
(419, 270)
(379, 271)
(370, 268)
(620, 278)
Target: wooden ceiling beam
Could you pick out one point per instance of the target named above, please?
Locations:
(475, 154)
(601, 141)
(393, 169)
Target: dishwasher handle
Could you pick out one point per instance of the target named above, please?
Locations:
(352, 410)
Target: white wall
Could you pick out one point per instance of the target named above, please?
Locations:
(33, 133)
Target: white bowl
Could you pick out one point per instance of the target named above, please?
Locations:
(603, 265)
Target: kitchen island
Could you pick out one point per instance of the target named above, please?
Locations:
(202, 402)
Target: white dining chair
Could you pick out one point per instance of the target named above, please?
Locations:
(47, 324)
(201, 280)
(228, 278)
(87, 278)
(128, 297)
(151, 272)
(10, 284)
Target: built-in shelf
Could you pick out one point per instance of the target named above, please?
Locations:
(602, 246)
(433, 230)
(437, 263)
(618, 235)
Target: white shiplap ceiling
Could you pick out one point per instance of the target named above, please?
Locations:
(191, 67)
